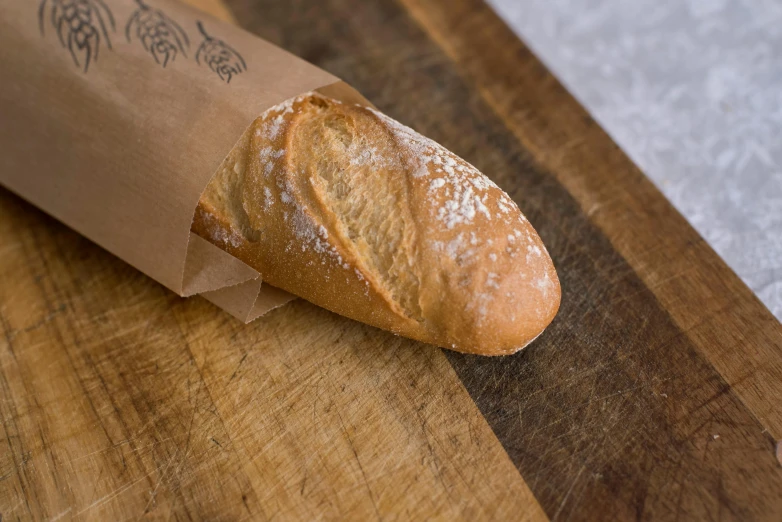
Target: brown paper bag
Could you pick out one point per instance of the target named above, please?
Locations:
(115, 114)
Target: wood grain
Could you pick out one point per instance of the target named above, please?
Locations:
(121, 400)
(654, 395)
(621, 409)
(720, 315)
(216, 8)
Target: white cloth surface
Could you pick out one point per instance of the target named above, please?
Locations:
(692, 92)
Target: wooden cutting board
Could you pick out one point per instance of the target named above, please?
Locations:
(655, 394)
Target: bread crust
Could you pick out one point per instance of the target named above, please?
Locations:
(347, 208)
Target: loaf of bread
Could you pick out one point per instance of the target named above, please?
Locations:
(347, 208)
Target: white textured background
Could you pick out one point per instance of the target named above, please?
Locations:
(692, 91)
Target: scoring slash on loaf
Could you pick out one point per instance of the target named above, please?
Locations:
(347, 208)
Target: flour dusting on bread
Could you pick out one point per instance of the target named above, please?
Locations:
(348, 208)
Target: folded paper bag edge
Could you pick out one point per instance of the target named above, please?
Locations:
(249, 300)
(237, 300)
(269, 298)
(208, 268)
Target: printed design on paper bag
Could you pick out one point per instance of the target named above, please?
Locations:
(219, 56)
(161, 37)
(79, 25)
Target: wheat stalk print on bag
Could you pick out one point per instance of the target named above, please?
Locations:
(161, 37)
(221, 58)
(79, 25)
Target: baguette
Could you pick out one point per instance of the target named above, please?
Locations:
(347, 208)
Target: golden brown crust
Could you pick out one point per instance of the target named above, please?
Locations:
(354, 212)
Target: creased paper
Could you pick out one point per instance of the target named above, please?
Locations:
(114, 115)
